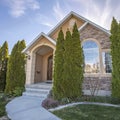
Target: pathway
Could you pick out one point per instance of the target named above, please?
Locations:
(28, 106)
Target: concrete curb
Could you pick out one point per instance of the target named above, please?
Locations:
(81, 103)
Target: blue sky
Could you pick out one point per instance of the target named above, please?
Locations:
(25, 19)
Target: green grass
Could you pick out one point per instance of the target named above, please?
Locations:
(2, 108)
(3, 101)
(89, 112)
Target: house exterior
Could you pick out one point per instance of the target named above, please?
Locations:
(96, 46)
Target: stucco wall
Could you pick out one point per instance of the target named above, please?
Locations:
(66, 26)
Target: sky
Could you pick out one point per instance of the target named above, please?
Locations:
(25, 19)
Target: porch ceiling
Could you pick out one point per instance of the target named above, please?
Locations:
(44, 50)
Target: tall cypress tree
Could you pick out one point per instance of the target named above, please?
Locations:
(77, 63)
(58, 67)
(0, 68)
(16, 68)
(67, 76)
(4, 60)
(115, 52)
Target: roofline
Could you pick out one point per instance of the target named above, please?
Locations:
(59, 23)
(92, 23)
(81, 27)
(82, 18)
(36, 39)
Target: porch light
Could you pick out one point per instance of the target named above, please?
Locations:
(28, 57)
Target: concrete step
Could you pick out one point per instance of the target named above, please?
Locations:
(34, 94)
(41, 86)
(36, 90)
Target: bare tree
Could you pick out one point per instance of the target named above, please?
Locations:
(94, 86)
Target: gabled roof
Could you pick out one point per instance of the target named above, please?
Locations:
(86, 21)
(37, 39)
(79, 17)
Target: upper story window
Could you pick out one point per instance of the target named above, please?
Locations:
(91, 57)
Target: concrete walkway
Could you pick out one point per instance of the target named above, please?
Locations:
(28, 108)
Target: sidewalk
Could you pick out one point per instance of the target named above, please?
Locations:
(28, 108)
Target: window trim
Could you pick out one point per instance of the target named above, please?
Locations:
(101, 73)
(105, 50)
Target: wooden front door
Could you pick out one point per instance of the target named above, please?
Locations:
(49, 67)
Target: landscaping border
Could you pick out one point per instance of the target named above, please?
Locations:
(81, 103)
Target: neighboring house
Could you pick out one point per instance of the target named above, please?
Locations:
(96, 46)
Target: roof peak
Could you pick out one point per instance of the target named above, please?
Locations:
(80, 17)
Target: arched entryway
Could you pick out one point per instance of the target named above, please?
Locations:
(43, 64)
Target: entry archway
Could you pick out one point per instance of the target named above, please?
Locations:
(43, 64)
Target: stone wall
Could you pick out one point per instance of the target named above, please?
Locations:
(92, 32)
(103, 84)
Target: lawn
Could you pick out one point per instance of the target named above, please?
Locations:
(89, 112)
(3, 101)
(2, 108)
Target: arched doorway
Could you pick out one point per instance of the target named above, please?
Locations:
(43, 64)
(49, 67)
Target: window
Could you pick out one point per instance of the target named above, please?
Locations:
(107, 62)
(91, 57)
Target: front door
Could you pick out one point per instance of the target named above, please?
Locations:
(49, 67)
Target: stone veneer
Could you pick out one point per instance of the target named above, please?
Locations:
(92, 32)
(104, 83)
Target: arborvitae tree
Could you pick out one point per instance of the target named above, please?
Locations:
(68, 75)
(0, 65)
(115, 52)
(16, 68)
(58, 67)
(77, 63)
(3, 65)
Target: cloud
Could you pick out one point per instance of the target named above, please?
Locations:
(44, 20)
(19, 7)
(58, 12)
(98, 11)
(105, 17)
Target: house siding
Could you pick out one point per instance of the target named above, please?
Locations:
(92, 32)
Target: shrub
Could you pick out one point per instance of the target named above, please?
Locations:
(50, 103)
(18, 91)
(16, 68)
(3, 65)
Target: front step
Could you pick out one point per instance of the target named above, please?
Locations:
(35, 95)
(38, 90)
